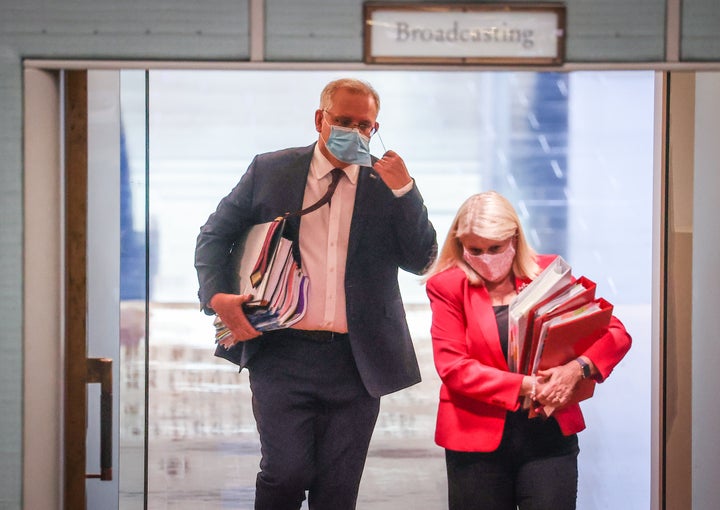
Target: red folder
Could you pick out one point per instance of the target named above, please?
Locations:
(538, 316)
(568, 336)
(572, 334)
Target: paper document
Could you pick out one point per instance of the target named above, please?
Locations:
(552, 278)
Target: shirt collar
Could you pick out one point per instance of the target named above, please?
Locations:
(320, 167)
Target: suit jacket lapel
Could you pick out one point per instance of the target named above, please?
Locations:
(294, 181)
(367, 184)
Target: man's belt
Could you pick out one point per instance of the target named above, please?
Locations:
(316, 335)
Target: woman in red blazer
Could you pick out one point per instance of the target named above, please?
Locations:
(498, 457)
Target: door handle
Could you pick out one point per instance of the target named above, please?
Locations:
(99, 370)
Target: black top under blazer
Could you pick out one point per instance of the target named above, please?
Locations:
(386, 233)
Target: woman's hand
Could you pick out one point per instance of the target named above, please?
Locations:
(556, 386)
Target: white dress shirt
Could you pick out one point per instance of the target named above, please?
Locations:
(324, 244)
(324, 235)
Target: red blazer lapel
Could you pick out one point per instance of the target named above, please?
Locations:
(483, 336)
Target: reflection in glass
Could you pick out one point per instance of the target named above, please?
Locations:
(133, 281)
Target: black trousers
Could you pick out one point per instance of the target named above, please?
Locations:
(534, 468)
(315, 421)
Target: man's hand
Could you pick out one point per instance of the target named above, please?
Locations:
(229, 308)
(392, 170)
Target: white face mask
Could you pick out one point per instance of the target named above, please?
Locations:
(491, 266)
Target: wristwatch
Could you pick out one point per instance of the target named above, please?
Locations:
(584, 367)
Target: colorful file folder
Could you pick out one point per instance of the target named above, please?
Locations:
(266, 269)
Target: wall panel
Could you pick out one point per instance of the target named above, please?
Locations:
(212, 29)
(10, 284)
(700, 38)
(314, 30)
(615, 30)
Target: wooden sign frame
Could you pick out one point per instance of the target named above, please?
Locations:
(464, 33)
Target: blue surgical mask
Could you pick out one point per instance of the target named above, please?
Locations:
(349, 146)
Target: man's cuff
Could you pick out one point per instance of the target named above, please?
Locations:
(404, 190)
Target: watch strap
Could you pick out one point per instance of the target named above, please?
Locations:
(585, 367)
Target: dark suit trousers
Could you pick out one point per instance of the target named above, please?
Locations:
(534, 468)
(315, 421)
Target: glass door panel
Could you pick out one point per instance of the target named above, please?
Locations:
(103, 253)
(116, 281)
(134, 279)
(573, 151)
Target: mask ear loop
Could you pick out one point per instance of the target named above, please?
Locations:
(381, 141)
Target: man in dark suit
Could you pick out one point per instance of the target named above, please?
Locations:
(317, 387)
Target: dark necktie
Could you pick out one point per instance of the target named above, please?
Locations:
(336, 173)
(336, 176)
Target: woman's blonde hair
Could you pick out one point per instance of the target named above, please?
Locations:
(491, 216)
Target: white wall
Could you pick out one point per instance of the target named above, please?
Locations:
(705, 295)
(42, 299)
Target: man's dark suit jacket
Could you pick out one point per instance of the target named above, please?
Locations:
(386, 233)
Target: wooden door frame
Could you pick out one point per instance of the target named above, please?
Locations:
(79, 369)
(75, 398)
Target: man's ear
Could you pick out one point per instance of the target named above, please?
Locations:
(318, 120)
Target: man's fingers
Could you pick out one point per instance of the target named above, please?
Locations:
(242, 329)
(392, 170)
(229, 308)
